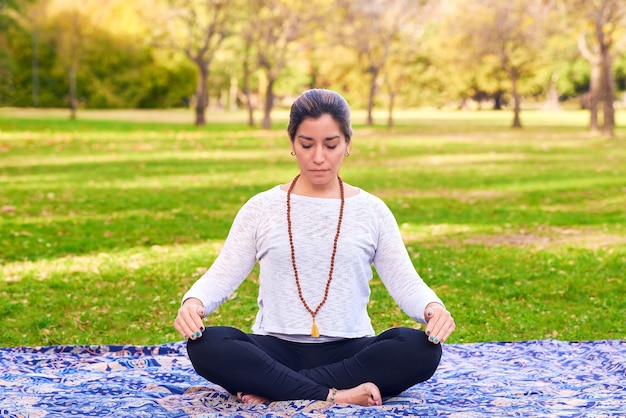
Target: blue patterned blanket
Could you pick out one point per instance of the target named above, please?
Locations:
(534, 378)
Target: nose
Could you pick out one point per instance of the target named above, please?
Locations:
(318, 155)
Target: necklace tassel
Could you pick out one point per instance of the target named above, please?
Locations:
(315, 332)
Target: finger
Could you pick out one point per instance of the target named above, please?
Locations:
(444, 337)
(432, 326)
(442, 330)
(449, 330)
(179, 330)
(436, 329)
(193, 331)
(197, 319)
(189, 321)
(182, 326)
(430, 312)
(433, 338)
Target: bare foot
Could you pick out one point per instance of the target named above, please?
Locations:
(366, 394)
(248, 398)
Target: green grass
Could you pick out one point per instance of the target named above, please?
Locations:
(105, 221)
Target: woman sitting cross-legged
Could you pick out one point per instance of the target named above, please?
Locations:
(315, 239)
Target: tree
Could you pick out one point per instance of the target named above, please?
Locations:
(384, 35)
(10, 15)
(509, 33)
(246, 54)
(70, 31)
(601, 23)
(406, 21)
(197, 28)
(272, 29)
(363, 33)
(248, 42)
(35, 16)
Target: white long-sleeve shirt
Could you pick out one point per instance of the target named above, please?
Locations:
(369, 236)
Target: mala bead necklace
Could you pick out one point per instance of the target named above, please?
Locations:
(315, 333)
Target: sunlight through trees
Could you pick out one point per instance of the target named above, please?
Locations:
(215, 55)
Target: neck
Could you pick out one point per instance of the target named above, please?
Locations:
(326, 190)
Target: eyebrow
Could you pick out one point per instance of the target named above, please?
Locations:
(330, 138)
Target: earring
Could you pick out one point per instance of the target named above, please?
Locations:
(293, 153)
(347, 154)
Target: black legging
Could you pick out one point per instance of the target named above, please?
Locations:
(282, 370)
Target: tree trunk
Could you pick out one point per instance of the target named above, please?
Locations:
(516, 102)
(232, 94)
(246, 84)
(35, 45)
(594, 87)
(314, 72)
(73, 66)
(73, 100)
(370, 102)
(202, 95)
(595, 76)
(269, 103)
(497, 101)
(552, 94)
(249, 106)
(392, 99)
(607, 94)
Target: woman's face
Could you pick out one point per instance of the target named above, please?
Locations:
(320, 147)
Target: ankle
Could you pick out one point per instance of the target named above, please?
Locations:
(332, 392)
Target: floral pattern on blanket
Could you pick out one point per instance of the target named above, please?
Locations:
(533, 378)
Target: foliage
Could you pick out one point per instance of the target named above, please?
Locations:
(9, 11)
(105, 223)
(388, 55)
(576, 80)
(113, 71)
(147, 84)
(620, 73)
(197, 29)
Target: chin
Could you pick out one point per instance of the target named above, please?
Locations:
(321, 178)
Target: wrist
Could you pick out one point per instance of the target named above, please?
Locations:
(192, 302)
(196, 304)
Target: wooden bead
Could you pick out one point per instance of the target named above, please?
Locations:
(314, 329)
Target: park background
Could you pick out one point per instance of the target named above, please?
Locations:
(131, 133)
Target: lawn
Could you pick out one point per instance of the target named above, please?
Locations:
(105, 221)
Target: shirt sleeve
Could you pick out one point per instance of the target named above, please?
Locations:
(395, 268)
(234, 261)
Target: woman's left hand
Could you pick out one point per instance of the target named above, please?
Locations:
(440, 323)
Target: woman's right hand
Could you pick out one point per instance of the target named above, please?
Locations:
(188, 322)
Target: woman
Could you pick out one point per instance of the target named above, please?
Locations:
(315, 239)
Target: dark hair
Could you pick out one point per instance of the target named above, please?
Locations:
(315, 103)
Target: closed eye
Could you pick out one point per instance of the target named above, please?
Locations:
(311, 146)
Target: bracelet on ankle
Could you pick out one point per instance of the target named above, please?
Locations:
(333, 392)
